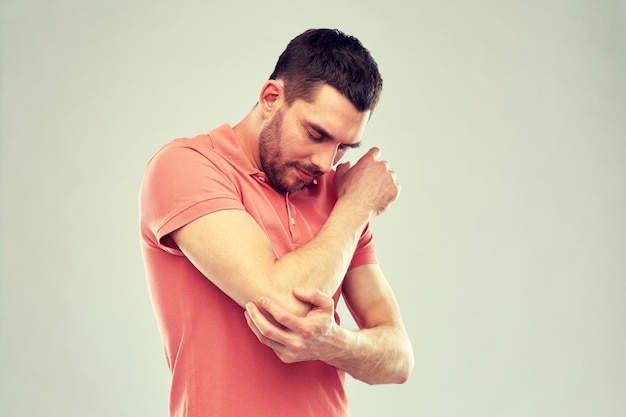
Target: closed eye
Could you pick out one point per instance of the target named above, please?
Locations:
(319, 134)
(349, 145)
(315, 137)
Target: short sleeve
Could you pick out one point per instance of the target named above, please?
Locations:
(182, 182)
(366, 250)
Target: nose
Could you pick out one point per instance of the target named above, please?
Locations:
(325, 157)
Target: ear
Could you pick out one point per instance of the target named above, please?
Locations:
(271, 98)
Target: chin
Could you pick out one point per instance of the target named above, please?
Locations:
(298, 186)
(289, 188)
(295, 189)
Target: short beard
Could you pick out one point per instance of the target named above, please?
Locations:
(270, 155)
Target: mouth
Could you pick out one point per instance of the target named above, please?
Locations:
(305, 176)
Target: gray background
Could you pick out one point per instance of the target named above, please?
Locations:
(507, 249)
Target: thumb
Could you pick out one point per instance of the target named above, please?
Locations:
(374, 152)
(315, 297)
(342, 168)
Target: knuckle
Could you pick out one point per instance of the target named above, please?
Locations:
(267, 333)
(286, 357)
(307, 333)
(297, 347)
(279, 316)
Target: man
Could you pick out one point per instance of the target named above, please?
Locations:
(249, 238)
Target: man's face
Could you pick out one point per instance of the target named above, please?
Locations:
(304, 140)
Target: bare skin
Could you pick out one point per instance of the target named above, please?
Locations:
(309, 139)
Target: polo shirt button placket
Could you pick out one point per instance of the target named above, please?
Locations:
(291, 217)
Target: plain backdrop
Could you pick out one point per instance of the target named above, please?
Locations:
(506, 124)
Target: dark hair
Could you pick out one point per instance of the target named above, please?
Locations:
(329, 56)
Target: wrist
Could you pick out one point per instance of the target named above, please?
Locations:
(353, 211)
(343, 345)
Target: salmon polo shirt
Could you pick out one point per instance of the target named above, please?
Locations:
(218, 366)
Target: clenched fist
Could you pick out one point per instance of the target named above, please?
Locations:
(369, 184)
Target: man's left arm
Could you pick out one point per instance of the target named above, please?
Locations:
(378, 353)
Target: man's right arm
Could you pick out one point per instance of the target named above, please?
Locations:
(232, 251)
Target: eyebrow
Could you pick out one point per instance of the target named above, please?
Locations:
(324, 133)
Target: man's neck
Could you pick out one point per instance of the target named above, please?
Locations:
(247, 133)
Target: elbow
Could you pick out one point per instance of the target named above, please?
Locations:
(404, 374)
(399, 373)
(404, 371)
(287, 301)
(399, 376)
(405, 366)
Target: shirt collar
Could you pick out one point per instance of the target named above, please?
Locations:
(226, 144)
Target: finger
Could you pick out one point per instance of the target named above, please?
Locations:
(341, 168)
(274, 345)
(279, 349)
(282, 316)
(374, 152)
(253, 326)
(267, 332)
(315, 297)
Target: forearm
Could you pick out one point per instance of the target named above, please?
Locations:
(364, 191)
(380, 355)
(323, 262)
(245, 267)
